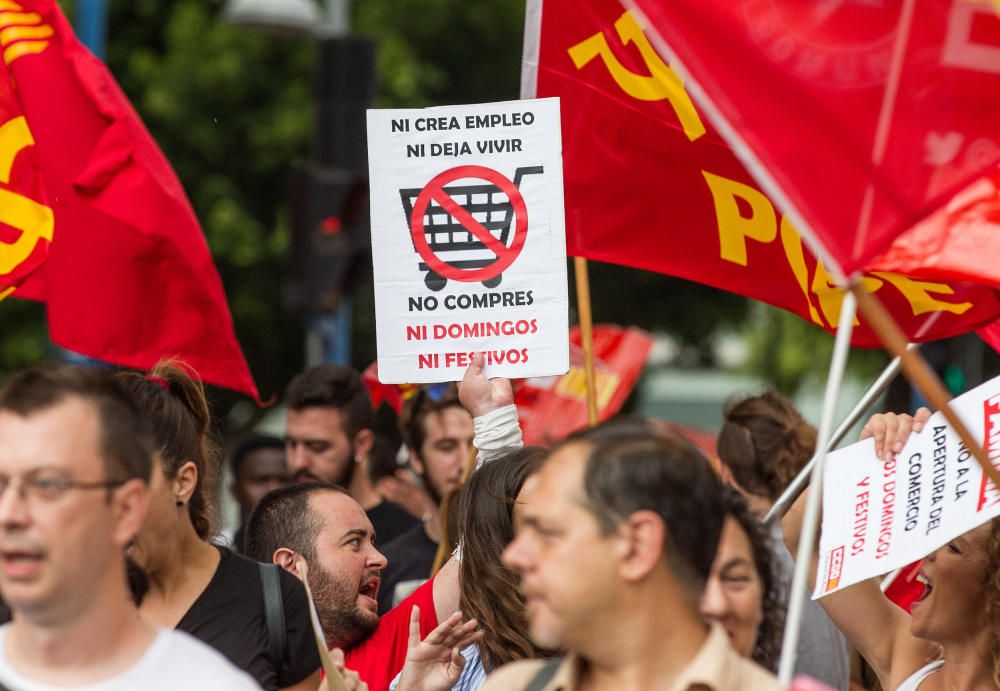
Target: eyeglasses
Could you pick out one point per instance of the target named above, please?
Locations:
(45, 487)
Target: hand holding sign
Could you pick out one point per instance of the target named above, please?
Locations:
(887, 506)
(480, 395)
(891, 430)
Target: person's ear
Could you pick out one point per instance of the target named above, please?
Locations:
(286, 558)
(416, 464)
(640, 545)
(185, 482)
(130, 502)
(363, 441)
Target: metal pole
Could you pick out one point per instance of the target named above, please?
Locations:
(92, 25)
(807, 540)
(801, 481)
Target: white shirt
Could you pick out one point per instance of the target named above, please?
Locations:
(175, 660)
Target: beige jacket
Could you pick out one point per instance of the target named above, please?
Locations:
(716, 667)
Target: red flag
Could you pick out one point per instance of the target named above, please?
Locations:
(959, 242)
(550, 408)
(393, 395)
(26, 220)
(902, 586)
(129, 278)
(867, 116)
(650, 184)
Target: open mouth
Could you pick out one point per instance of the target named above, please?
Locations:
(370, 588)
(18, 562)
(305, 476)
(928, 587)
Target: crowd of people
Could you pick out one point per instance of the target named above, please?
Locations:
(621, 557)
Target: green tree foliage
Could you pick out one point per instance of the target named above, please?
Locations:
(233, 111)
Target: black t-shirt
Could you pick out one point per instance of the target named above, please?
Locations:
(390, 520)
(229, 616)
(410, 557)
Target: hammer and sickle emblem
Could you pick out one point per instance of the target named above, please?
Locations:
(662, 83)
(35, 221)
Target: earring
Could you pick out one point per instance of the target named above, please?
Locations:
(180, 503)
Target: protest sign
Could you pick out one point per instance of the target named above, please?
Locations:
(879, 516)
(468, 240)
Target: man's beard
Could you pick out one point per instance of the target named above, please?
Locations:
(347, 474)
(344, 623)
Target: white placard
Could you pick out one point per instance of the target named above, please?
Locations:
(878, 517)
(468, 240)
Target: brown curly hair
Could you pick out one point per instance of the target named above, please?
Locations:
(993, 596)
(765, 442)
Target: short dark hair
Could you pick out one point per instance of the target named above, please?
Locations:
(333, 386)
(283, 518)
(427, 399)
(630, 470)
(126, 438)
(253, 443)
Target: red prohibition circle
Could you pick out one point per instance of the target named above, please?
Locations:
(435, 190)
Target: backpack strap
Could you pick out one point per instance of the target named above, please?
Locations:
(544, 675)
(274, 612)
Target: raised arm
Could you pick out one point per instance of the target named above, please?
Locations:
(875, 626)
(494, 417)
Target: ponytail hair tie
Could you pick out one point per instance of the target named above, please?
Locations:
(159, 381)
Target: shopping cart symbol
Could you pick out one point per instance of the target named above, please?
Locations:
(463, 232)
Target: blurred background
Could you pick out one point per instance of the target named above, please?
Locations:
(241, 114)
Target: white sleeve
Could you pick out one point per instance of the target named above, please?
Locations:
(497, 434)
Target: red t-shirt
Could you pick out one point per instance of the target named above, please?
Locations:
(378, 658)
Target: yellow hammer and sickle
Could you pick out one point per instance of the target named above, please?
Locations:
(662, 83)
(34, 220)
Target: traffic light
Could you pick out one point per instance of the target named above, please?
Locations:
(331, 242)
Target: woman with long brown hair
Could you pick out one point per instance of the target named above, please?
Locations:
(192, 585)
(488, 510)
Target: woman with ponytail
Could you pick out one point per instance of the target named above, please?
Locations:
(193, 585)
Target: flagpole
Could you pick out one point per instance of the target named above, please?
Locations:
(801, 481)
(810, 524)
(586, 334)
(919, 373)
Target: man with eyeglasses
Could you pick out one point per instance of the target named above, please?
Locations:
(75, 460)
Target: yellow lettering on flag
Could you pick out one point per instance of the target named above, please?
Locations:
(21, 33)
(792, 242)
(831, 296)
(35, 221)
(14, 137)
(734, 227)
(662, 83)
(918, 294)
